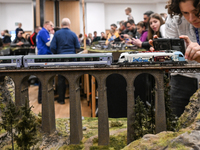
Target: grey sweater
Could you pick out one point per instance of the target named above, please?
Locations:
(175, 27)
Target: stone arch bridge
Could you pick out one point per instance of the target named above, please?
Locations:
(72, 74)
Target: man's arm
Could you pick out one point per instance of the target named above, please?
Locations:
(53, 46)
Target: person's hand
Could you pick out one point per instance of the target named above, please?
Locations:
(151, 49)
(192, 50)
(20, 43)
(126, 36)
(52, 31)
(151, 41)
(137, 42)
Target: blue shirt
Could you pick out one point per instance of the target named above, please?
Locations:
(64, 42)
(42, 38)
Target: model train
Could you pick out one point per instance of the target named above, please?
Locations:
(31, 61)
(96, 59)
(153, 57)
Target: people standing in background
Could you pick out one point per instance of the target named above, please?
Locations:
(90, 38)
(113, 37)
(32, 38)
(114, 28)
(146, 16)
(80, 38)
(27, 36)
(64, 41)
(95, 38)
(156, 26)
(103, 36)
(128, 11)
(132, 30)
(19, 41)
(141, 29)
(43, 42)
(95, 34)
(2, 34)
(123, 27)
(19, 29)
(7, 38)
(43, 39)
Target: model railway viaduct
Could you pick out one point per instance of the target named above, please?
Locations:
(72, 74)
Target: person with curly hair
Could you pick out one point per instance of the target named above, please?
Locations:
(184, 22)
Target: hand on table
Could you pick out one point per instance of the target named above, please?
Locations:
(20, 43)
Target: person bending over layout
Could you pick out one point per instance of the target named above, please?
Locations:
(184, 22)
(64, 42)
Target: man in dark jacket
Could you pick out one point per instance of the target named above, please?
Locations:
(132, 30)
(64, 42)
(19, 40)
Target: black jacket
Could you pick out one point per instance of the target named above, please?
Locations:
(17, 40)
(133, 33)
(7, 38)
(32, 39)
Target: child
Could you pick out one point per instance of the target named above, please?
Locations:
(128, 13)
(141, 29)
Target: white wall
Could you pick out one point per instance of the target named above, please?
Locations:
(95, 19)
(161, 7)
(16, 12)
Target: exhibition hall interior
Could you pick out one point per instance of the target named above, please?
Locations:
(98, 16)
(99, 73)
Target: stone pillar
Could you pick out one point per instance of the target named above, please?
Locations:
(76, 133)
(130, 110)
(24, 91)
(17, 91)
(48, 110)
(160, 114)
(103, 125)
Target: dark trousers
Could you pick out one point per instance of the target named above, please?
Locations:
(182, 88)
(61, 90)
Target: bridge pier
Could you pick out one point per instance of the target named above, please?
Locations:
(48, 109)
(76, 133)
(160, 115)
(103, 124)
(130, 110)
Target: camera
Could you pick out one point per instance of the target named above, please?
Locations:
(169, 44)
(122, 36)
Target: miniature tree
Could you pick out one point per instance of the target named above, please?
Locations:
(151, 118)
(140, 119)
(171, 119)
(26, 128)
(9, 117)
